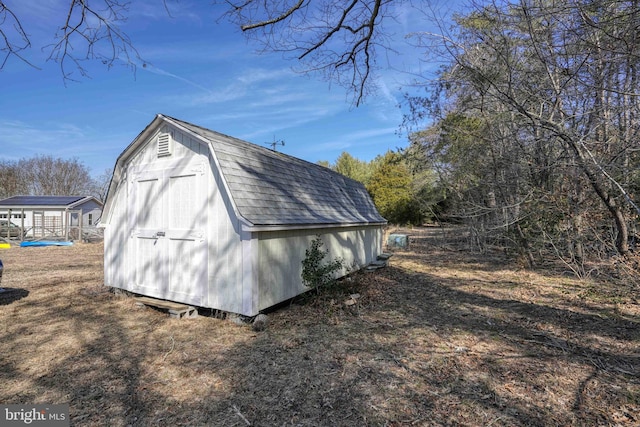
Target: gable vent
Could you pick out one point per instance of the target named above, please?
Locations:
(164, 144)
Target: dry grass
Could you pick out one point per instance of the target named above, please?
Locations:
(440, 337)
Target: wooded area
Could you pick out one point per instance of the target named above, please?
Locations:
(535, 122)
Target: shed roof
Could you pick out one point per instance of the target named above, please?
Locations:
(273, 189)
(45, 201)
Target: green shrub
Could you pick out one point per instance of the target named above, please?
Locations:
(315, 271)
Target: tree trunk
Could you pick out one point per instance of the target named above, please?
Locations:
(616, 212)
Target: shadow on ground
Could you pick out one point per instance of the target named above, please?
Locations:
(420, 348)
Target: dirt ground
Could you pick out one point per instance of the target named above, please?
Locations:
(439, 337)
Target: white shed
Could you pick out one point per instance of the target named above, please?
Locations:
(198, 217)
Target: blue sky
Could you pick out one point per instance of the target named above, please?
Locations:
(201, 70)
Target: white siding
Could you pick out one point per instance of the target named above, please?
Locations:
(122, 259)
(28, 221)
(225, 254)
(222, 288)
(281, 254)
(117, 268)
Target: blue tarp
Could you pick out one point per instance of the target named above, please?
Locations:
(46, 243)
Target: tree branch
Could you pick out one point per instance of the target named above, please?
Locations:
(78, 29)
(335, 38)
(9, 19)
(275, 20)
(332, 31)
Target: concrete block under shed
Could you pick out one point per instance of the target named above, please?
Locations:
(398, 241)
(176, 310)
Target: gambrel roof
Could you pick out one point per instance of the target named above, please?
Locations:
(270, 188)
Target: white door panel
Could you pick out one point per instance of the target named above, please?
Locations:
(169, 232)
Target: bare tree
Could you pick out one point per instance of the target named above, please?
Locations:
(90, 31)
(100, 185)
(11, 183)
(46, 175)
(339, 39)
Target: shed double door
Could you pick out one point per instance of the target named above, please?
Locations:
(169, 233)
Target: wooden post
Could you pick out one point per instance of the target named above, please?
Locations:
(66, 220)
(80, 221)
(9, 224)
(22, 236)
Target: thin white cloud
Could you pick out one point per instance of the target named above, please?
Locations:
(282, 97)
(363, 135)
(219, 54)
(386, 93)
(338, 144)
(288, 122)
(30, 139)
(32, 14)
(155, 70)
(363, 144)
(256, 86)
(258, 75)
(359, 138)
(60, 140)
(283, 114)
(164, 10)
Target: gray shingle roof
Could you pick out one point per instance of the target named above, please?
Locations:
(40, 200)
(272, 188)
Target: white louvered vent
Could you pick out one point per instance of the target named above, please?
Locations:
(164, 144)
